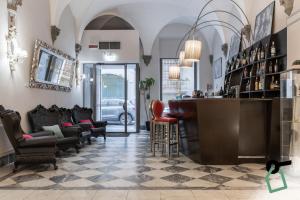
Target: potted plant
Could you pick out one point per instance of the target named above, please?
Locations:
(145, 88)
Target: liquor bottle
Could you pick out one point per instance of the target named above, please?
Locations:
(276, 85)
(248, 86)
(260, 85)
(245, 73)
(273, 49)
(271, 67)
(276, 67)
(258, 69)
(258, 54)
(256, 84)
(272, 85)
(262, 53)
(251, 73)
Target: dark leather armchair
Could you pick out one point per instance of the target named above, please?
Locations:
(41, 116)
(97, 128)
(66, 117)
(31, 151)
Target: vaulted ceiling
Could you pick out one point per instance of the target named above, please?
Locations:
(149, 17)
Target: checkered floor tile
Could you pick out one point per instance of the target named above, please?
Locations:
(126, 163)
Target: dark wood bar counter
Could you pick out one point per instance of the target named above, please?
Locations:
(228, 131)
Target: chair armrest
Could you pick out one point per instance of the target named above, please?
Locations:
(39, 142)
(73, 131)
(100, 124)
(42, 134)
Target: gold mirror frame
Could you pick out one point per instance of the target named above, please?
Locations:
(33, 83)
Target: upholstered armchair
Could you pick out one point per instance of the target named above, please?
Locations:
(31, 150)
(40, 116)
(83, 117)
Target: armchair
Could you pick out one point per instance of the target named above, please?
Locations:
(41, 116)
(83, 117)
(28, 151)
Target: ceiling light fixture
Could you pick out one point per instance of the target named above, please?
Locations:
(174, 72)
(183, 63)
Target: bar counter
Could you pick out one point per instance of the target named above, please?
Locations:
(228, 131)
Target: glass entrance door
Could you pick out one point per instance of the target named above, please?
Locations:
(115, 89)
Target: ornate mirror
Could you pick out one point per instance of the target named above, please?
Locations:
(51, 68)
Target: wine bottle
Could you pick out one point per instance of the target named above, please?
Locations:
(276, 67)
(271, 67)
(262, 53)
(272, 85)
(256, 84)
(258, 54)
(273, 49)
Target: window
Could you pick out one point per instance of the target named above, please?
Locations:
(170, 89)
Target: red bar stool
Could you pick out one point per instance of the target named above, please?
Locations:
(164, 130)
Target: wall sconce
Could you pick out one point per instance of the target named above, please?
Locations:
(15, 54)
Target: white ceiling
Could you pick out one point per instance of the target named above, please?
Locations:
(149, 17)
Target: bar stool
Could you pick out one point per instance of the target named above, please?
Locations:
(151, 124)
(164, 130)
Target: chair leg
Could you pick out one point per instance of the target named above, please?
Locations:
(77, 149)
(16, 164)
(54, 165)
(177, 138)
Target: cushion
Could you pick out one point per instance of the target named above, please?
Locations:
(67, 124)
(166, 119)
(55, 129)
(86, 121)
(27, 136)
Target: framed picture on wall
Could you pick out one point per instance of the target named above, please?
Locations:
(234, 46)
(264, 23)
(218, 68)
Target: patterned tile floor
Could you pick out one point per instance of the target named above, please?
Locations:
(127, 164)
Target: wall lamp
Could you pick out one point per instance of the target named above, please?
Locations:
(15, 54)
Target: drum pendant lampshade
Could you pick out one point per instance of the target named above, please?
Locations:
(174, 72)
(183, 63)
(193, 49)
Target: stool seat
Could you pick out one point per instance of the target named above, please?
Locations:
(166, 119)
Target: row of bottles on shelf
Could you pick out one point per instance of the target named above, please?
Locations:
(256, 55)
(260, 84)
(261, 68)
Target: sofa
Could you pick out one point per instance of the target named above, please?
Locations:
(40, 116)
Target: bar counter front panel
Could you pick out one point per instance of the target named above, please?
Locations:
(228, 131)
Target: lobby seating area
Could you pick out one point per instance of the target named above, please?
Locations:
(53, 131)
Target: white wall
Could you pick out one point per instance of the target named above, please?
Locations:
(33, 23)
(293, 35)
(129, 52)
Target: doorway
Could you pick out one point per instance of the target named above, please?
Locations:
(112, 91)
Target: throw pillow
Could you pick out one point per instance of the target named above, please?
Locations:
(67, 124)
(27, 136)
(55, 129)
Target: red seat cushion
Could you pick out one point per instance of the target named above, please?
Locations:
(67, 124)
(166, 119)
(86, 121)
(27, 136)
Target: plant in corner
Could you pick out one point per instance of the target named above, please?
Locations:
(145, 88)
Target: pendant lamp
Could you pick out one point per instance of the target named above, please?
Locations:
(183, 63)
(193, 49)
(174, 72)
